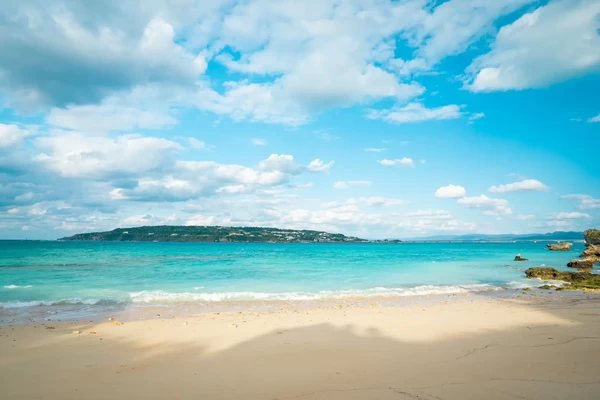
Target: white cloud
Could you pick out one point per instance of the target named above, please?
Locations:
(80, 54)
(259, 142)
(374, 150)
(12, 134)
(77, 155)
(318, 165)
(198, 144)
(558, 224)
(571, 215)
(551, 44)
(451, 191)
(476, 116)
(416, 112)
(595, 119)
(405, 162)
(107, 117)
(525, 185)
(586, 202)
(490, 206)
(13, 211)
(377, 201)
(201, 220)
(348, 184)
(525, 217)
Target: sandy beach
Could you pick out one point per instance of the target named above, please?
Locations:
(531, 347)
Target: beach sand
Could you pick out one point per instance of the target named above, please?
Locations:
(532, 347)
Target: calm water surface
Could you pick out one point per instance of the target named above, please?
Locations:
(34, 273)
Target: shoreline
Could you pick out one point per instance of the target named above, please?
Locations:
(532, 346)
(78, 312)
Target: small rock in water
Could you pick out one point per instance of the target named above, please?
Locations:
(50, 327)
(111, 318)
(157, 315)
(519, 258)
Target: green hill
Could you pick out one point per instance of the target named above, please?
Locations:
(211, 234)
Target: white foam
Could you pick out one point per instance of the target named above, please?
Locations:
(533, 283)
(156, 296)
(34, 303)
(17, 287)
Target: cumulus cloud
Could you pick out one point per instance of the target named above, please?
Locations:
(586, 202)
(348, 184)
(75, 57)
(73, 154)
(522, 186)
(198, 144)
(571, 215)
(451, 191)
(595, 119)
(416, 112)
(12, 134)
(318, 165)
(551, 44)
(489, 206)
(404, 162)
(107, 117)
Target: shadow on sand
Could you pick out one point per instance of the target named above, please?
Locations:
(556, 359)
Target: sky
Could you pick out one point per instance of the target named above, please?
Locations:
(374, 118)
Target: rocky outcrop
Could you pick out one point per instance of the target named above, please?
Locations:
(581, 264)
(592, 237)
(559, 246)
(592, 250)
(519, 258)
(576, 280)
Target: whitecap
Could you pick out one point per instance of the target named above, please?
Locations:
(70, 301)
(157, 296)
(17, 287)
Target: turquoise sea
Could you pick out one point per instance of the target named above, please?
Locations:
(47, 273)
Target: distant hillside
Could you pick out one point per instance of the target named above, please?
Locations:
(553, 236)
(212, 234)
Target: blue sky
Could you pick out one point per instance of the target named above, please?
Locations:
(367, 117)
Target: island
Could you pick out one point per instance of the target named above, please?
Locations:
(168, 233)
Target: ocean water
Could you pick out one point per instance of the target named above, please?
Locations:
(46, 273)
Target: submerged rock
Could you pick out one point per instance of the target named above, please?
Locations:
(519, 258)
(592, 237)
(559, 246)
(581, 264)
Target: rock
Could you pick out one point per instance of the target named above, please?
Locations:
(559, 246)
(519, 258)
(577, 280)
(581, 264)
(592, 236)
(111, 318)
(118, 323)
(592, 251)
(76, 332)
(50, 327)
